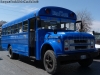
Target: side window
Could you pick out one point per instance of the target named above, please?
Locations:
(25, 26)
(62, 26)
(20, 27)
(2, 32)
(9, 30)
(6, 31)
(16, 28)
(12, 29)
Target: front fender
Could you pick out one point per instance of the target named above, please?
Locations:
(57, 47)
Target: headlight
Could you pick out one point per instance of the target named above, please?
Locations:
(92, 42)
(66, 45)
(71, 41)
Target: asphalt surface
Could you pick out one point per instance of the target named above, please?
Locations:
(25, 66)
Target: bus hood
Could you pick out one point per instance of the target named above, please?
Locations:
(71, 35)
(76, 35)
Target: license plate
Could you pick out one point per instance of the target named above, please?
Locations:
(83, 56)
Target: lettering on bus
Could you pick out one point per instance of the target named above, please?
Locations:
(59, 13)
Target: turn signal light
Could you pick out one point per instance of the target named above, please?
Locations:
(66, 48)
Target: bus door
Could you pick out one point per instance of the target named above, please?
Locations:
(32, 42)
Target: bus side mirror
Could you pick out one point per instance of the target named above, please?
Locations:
(93, 32)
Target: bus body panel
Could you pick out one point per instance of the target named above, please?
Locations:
(18, 42)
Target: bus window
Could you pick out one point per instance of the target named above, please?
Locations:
(20, 27)
(25, 26)
(6, 31)
(12, 29)
(3, 31)
(71, 26)
(16, 28)
(9, 30)
(62, 26)
(67, 26)
(48, 24)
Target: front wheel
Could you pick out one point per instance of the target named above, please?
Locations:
(50, 62)
(86, 62)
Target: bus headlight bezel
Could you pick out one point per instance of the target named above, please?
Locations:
(66, 45)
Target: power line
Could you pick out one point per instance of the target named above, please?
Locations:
(10, 14)
(11, 10)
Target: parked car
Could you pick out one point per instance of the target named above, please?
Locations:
(97, 40)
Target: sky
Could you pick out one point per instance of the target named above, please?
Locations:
(11, 11)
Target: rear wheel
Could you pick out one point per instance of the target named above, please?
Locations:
(50, 62)
(86, 62)
(11, 54)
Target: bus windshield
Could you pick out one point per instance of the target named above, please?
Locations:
(57, 25)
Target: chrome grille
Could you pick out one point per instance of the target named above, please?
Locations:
(79, 44)
(80, 41)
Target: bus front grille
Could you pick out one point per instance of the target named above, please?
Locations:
(80, 41)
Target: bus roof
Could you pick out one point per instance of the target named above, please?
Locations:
(52, 11)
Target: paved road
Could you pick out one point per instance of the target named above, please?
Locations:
(23, 66)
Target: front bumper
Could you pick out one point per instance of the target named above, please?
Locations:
(77, 56)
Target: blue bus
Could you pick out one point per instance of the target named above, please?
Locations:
(49, 34)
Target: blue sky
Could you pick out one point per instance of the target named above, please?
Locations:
(12, 11)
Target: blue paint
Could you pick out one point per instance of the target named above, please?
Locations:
(20, 41)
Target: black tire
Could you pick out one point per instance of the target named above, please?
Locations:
(86, 62)
(50, 62)
(11, 54)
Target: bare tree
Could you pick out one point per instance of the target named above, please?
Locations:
(1, 23)
(86, 19)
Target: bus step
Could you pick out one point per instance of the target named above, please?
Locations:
(32, 57)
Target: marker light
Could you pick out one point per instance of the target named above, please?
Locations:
(58, 41)
(47, 11)
(71, 14)
(92, 41)
(66, 48)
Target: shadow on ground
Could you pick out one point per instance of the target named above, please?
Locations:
(1, 49)
(98, 57)
(69, 69)
(37, 64)
(1, 59)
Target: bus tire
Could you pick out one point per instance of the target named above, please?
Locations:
(50, 62)
(11, 54)
(86, 62)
